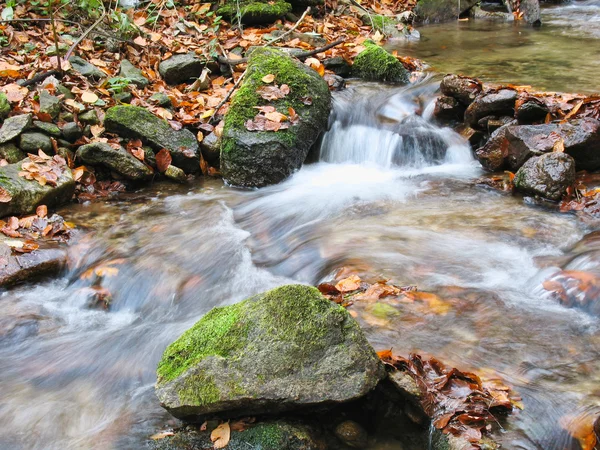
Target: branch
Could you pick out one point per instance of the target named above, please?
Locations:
(228, 96)
(301, 55)
(83, 36)
(40, 77)
(291, 30)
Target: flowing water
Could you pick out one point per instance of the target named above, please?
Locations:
(392, 195)
(562, 55)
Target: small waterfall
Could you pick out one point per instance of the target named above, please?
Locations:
(390, 128)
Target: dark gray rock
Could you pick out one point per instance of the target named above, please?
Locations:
(285, 349)
(86, 69)
(32, 141)
(531, 11)
(211, 149)
(72, 131)
(500, 103)
(48, 128)
(352, 434)
(548, 175)
(90, 117)
(181, 68)
(175, 174)
(4, 106)
(260, 158)
(123, 97)
(463, 89)
(118, 160)
(448, 109)
(49, 104)
(29, 194)
(133, 74)
(493, 154)
(442, 10)
(30, 266)
(136, 122)
(14, 126)
(335, 82)
(338, 65)
(11, 153)
(278, 435)
(532, 110)
(161, 99)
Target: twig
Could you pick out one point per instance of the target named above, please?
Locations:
(41, 77)
(83, 35)
(226, 99)
(301, 55)
(291, 30)
(58, 59)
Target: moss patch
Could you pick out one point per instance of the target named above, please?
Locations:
(375, 64)
(255, 12)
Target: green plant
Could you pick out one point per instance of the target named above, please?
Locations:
(117, 85)
(122, 24)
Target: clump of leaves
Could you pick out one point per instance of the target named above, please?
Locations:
(269, 119)
(458, 403)
(43, 168)
(35, 227)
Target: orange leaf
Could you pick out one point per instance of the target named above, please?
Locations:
(220, 436)
(269, 78)
(163, 160)
(349, 284)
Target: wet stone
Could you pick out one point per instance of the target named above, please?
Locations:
(463, 89)
(49, 104)
(548, 175)
(352, 434)
(501, 103)
(11, 153)
(48, 128)
(14, 126)
(133, 74)
(31, 142)
(338, 65)
(175, 174)
(448, 109)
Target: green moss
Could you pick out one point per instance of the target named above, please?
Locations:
(255, 12)
(383, 24)
(375, 64)
(4, 106)
(218, 333)
(200, 390)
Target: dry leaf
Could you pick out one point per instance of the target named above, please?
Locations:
(163, 160)
(89, 97)
(5, 196)
(220, 436)
(349, 284)
(42, 211)
(269, 78)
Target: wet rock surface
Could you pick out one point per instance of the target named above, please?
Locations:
(498, 103)
(30, 266)
(463, 89)
(548, 175)
(115, 159)
(286, 349)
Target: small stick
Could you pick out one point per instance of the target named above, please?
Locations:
(38, 78)
(58, 59)
(83, 36)
(235, 86)
(290, 30)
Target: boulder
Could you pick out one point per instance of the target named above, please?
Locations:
(500, 103)
(116, 159)
(548, 175)
(493, 154)
(270, 435)
(27, 195)
(448, 109)
(532, 110)
(28, 266)
(139, 123)
(531, 11)
(463, 89)
(86, 69)
(49, 104)
(11, 153)
(259, 158)
(4, 106)
(254, 12)
(133, 74)
(32, 141)
(286, 349)
(442, 10)
(14, 126)
(48, 128)
(181, 68)
(375, 64)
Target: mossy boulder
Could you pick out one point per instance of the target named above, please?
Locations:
(116, 159)
(29, 194)
(254, 12)
(259, 158)
(4, 106)
(277, 435)
(375, 64)
(139, 123)
(282, 350)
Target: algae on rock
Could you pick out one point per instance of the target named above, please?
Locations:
(375, 64)
(281, 350)
(259, 158)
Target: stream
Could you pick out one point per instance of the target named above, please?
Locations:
(390, 194)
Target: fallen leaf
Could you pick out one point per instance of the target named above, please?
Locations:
(220, 436)
(89, 97)
(163, 160)
(349, 284)
(164, 434)
(5, 196)
(42, 211)
(269, 78)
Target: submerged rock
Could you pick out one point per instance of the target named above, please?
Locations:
(285, 349)
(463, 89)
(500, 103)
(352, 434)
(117, 160)
(181, 68)
(136, 122)
(275, 435)
(548, 175)
(376, 64)
(29, 194)
(259, 158)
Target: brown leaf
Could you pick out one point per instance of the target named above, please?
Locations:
(138, 153)
(269, 78)
(42, 211)
(5, 196)
(349, 284)
(163, 160)
(220, 436)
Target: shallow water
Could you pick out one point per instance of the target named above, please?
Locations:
(392, 196)
(563, 55)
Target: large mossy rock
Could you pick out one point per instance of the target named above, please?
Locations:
(548, 175)
(285, 349)
(375, 64)
(278, 435)
(135, 122)
(259, 158)
(27, 195)
(254, 12)
(442, 10)
(116, 159)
